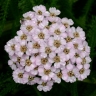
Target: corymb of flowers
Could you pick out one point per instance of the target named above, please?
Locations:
(48, 48)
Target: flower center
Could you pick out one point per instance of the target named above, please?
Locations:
(29, 27)
(70, 74)
(36, 68)
(68, 39)
(39, 12)
(43, 84)
(20, 75)
(76, 55)
(76, 34)
(30, 78)
(47, 27)
(23, 48)
(14, 63)
(48, 50)
(75, 45)
(67, 62)
(18, 59)
(56, 59)
(57, 43)
(66, 51)
(81, 71)
(44, 60)
(28, 62)
(59, 75)
(47, 72)
(57, 32)
(66, 25)
(36, 54)
(52, 14)
(38, 22)
(36, 45)
(41, 35)
(23, 37)
(84, 49)
(13, 47)
(83, 61)
(28, 18)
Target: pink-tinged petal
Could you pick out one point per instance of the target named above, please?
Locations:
(10, 62)
(52, 55)
(19, 54)
(51, 42)
(20, 32)
(69, 66)
(86, 66)
(64, 77)
(45, 77)
(40, 87)
(40, 70)
(33, 59)
(11, 53)
(79, 66)
(88, 59)
(44, 55)
(57, 65)
(38, 61)
(27, 69)
(51, 75)
(63, 41)
(47, 66)
(78, 60)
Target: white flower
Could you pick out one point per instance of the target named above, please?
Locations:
(12, 64)
(28, 63)
(20, 77)
(58, 76)
(32, 79)
(28, 27)
(21, 49)
(41, 10)
(85, 60)
(68, 74)
(10, 47)
(68, 52)
(56, 43)
(53, 11)
(22, 37)
(46, 74)
(82, 73)
(58, 60)
(67, 22)
(43, 62)
(29, 15)
(45, 86)
(78, 33)
(57, 30)
(41, 35)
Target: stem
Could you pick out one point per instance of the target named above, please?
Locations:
(38, 93)
(74, 91)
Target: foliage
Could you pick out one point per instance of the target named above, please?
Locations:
(10, 13)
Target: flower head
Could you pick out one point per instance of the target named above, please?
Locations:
(48, 49)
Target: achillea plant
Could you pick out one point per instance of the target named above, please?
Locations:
(48, 48)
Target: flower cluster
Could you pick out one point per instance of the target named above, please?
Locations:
(48, 48)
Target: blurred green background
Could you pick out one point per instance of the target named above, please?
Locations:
(83, 13)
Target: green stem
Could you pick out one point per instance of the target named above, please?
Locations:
(38, 93)
(74, 91)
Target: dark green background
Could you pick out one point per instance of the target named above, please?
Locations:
(83, 13)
